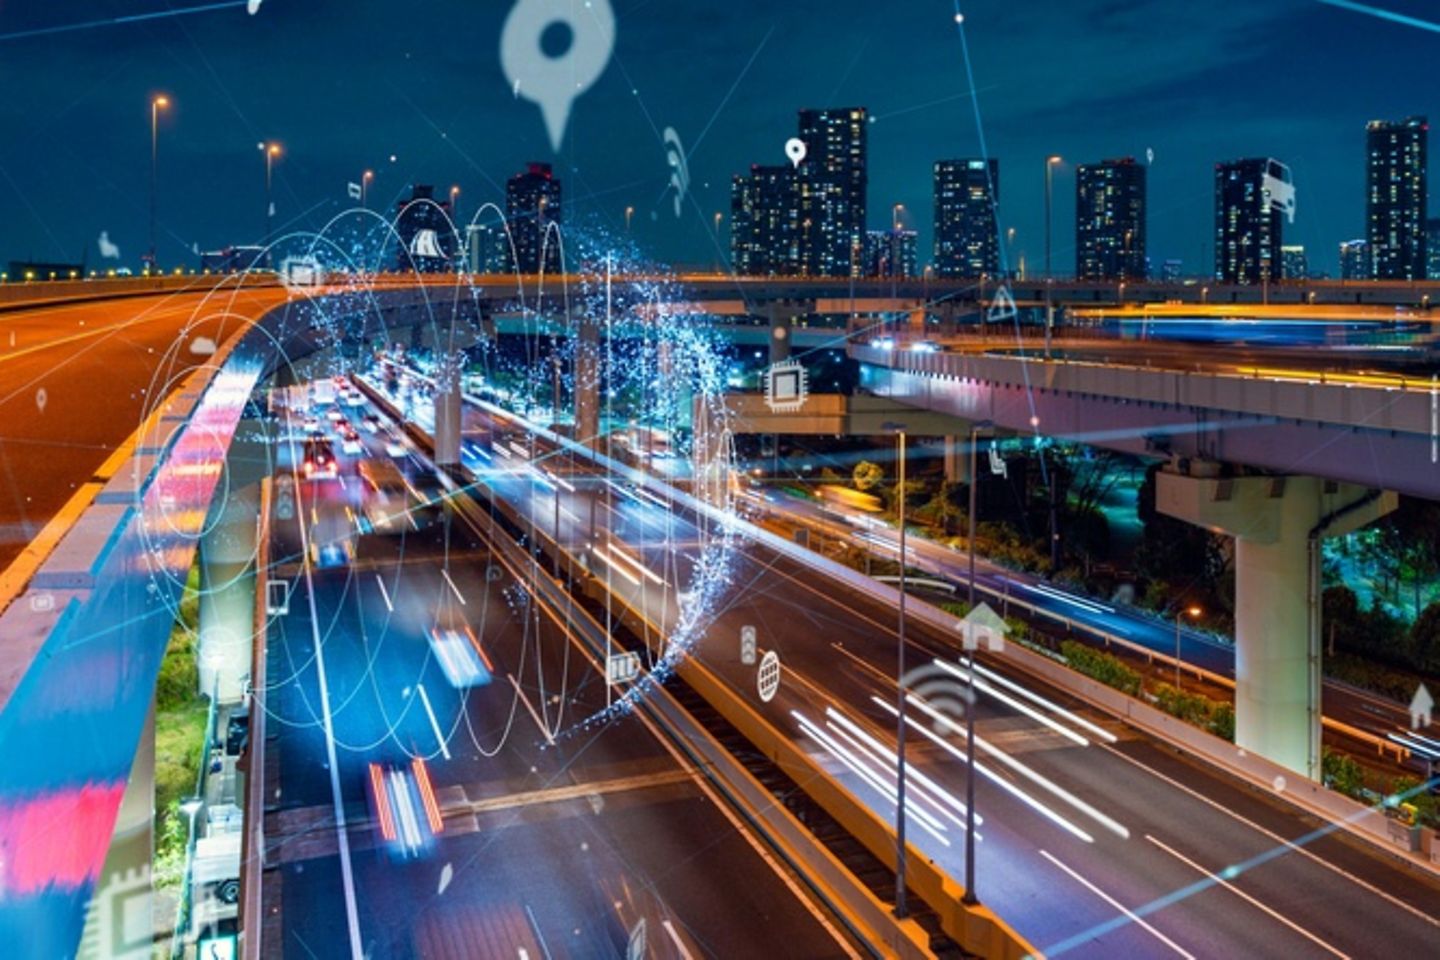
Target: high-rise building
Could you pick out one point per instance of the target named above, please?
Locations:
(1395, 197)
(485, 248)
(967, 238)
(831, 182)
(1432, 248)
(890, 253)
(427, 241)
(1172, 269)
(1247, 223)
(1355, 260)
(1110, 220)
(532, 204)
(765, 222)
(1293, 265)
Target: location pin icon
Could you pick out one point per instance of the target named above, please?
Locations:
(41, 398)
(555, 82)
(795, 150)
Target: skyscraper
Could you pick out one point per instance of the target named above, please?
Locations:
(1432, 248)
(1293, 264)
(765, 222)
(1355, 260)
(831, 182)
(967, 240)
(1247, 223)
(427, 241)
(1395, 197)
(532, 203)
(890, 253)
(1110, 220)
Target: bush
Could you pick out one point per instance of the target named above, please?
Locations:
(1214, 716)
(867, 476)
(1342, 774)
(1105, 667)
(1413, 792)
(1222, 721)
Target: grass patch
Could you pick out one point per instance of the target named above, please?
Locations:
(1105, 667)
(181, 716)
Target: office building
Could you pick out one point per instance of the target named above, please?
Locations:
(427, 241)
(765, 222)
(1395, 197)
(1247, 223)
(1355, 260)
(1432, 248)
(831, 183)
(890, 253)
(1110, 220)
(532, 205)
(1172, 270)
(485, 248)
(967, 237)
(1293, 265)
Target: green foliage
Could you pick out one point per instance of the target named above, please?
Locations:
(1342, 774)
(1105, 667)
(1425, 640)
(867, 476)
(1368, 675)
(1411, 789)
(1214, 716)
(956, 608)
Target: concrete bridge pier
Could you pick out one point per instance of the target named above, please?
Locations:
(448, 408)
(780, 318)
(957, 459)
(587, 378)
(1278, 523)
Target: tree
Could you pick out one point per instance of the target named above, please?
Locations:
(867, 476)
(1425, 640)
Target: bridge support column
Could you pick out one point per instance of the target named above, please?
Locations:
(227, 578)
(448, 409)
(1278, 524)
(957, 460)
(779, 333)
(587, 383)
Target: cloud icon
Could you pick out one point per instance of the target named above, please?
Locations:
(202, 346)
(108, 250)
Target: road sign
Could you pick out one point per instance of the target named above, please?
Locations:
(982, 628)
(767, 679)
(622, 668)
(747, 646)
(636, 948)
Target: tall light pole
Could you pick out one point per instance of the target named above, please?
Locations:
(365, 179)
(900, 907)
(454, 207)
(895, 216)
(157, 103)
(1049, 203)
(1193, 612)
(970, 897)
(271, 151)
(629, 212)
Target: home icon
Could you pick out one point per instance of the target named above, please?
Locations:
(982, 629)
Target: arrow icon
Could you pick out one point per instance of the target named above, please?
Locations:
(1422, 707)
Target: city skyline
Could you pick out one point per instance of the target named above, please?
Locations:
(1190, 105)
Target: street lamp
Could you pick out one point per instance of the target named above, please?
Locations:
(190, 806)
(157, 103)
(271, 151)
(454, 210)
(1193, 613)
(970, 897)
(365, 179)
(900, 909)
(629, 212)
(1049, 191)
(895, 217)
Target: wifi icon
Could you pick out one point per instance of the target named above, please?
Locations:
(679, 169)
(947, 698)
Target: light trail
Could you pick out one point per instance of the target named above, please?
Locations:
(117, 21)
(1381, 14)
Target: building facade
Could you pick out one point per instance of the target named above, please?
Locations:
(1432, 248)
(1247, 224)
(427, 241)
(890, 253)
(832, 185)
(1355, 260)
(765, 222)
(1110, 220)
(532, 205)
(967, 236)
(1293, 264)
(1395, 158)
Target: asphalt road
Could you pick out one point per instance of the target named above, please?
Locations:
(1088, 830)
(548, 849)
(98, 363)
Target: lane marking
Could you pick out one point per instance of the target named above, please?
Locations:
(1119, 906)
(446, 574)
(684, 954)
(385, 594)
(1274, 914)
(434, 724)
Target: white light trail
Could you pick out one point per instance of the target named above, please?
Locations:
(1074, 718)
(434, 724)
(984, 687)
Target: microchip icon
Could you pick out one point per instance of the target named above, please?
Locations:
(786, 386)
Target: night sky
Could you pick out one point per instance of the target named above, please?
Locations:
(343, 84)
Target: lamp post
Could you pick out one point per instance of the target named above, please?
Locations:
(629, 212)
(970, 897)
(365, 179)
(454, 206)
(189, 807)
(271, 151)
(900, 907)
(157, 103)
(1049, 192)
(1192, 612)
(895, 216)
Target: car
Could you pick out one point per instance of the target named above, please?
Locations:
(311, 424)
(350, 444)
(394, 446)
(370, 422)
(319, 462)
(334, 414)
(459, 652)
(404, 808)
(340, 423)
